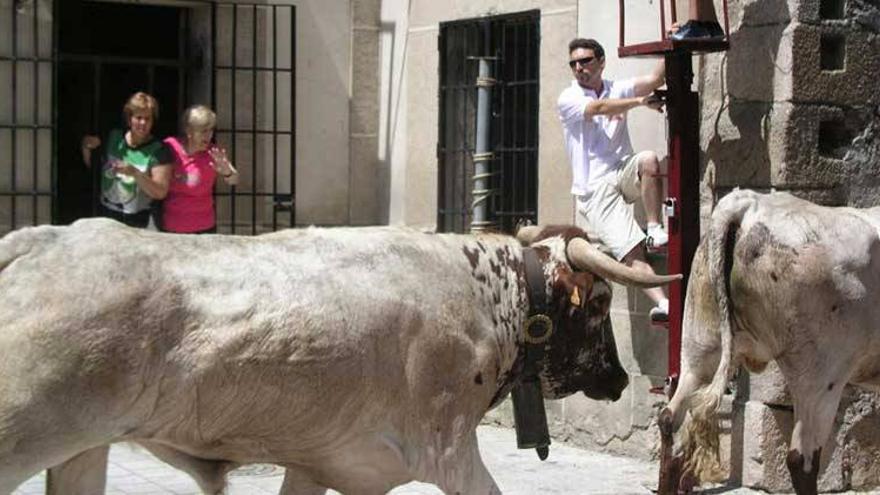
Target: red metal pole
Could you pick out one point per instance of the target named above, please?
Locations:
(663, 19)
(621, 22)
(683, 184)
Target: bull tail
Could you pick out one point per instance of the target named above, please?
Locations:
(702, 433)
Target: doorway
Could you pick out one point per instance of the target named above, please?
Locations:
(108, 51)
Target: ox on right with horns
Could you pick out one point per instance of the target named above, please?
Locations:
(774, 278)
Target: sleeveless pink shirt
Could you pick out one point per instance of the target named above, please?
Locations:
(189, 206)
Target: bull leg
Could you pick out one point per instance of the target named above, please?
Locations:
(83, 474)
(670, 421)
(298, 483)
(210, 475)
(468, 474)
(23, 456)
(816, 397)
(813, 422)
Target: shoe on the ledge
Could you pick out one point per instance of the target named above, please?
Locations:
(657, 238)
(660, 312)
(698, 30)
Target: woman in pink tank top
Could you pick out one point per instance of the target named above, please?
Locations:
(189, 206)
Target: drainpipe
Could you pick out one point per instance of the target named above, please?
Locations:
(482, 153)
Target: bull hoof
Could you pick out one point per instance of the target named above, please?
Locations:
(686, 483)
(670, 476)
(803, 482)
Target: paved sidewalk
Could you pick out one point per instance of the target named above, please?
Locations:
(568, 471)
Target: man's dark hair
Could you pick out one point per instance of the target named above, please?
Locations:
(589, 44)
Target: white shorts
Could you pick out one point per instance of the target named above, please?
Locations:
(607, 214)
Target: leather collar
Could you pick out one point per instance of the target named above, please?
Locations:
(538, 326)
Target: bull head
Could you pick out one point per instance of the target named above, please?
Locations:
(581, 355)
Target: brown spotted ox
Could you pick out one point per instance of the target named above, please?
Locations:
(775, 278)
(358, 359)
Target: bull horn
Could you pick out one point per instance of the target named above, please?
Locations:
(585, 256)
(525, 235)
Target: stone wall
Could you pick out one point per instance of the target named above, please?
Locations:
(794, 106)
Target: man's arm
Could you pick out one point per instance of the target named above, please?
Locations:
(617, 106)
(644, 85)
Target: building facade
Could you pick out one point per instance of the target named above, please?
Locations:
(362, 112)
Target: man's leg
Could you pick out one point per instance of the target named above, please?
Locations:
(610, 217)
(651, 185)
(640, 178)
(702, 10)
(702, 23)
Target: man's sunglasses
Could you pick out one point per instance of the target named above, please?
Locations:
(582, 61)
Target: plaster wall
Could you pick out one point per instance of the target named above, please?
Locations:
(410, 98)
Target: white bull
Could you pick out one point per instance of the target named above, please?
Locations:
(776, 278)
(358, 359)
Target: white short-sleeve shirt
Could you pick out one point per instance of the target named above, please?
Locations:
(597, 145)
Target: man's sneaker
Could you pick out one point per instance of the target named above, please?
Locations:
(698, 30)
(657, 238)
(660, 312)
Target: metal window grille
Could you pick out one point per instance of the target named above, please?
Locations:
(514, 41)
(27, 125)
(254, 71)
(249, 80)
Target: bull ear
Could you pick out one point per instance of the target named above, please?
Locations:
(575, 297)
(525, 235)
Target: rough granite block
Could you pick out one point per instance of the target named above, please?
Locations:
(850, 457)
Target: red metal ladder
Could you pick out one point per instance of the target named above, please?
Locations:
(682, 204)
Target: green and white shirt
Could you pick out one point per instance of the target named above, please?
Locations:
(121, 192)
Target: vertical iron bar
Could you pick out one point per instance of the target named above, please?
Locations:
(53, 170)
(502, 150)
(621, 23)
(536, 91)
(151, 78)
(96, 111)
(254, 182)
(14, 131)
(214, 75)
(183, 27)
(275, 117)
(234, 69)
(294, 134)
(36, 176)
(443, 146)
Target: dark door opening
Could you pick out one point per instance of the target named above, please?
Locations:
(107, 52)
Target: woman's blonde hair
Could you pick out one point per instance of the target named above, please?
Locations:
(141, 102)
(198, 117)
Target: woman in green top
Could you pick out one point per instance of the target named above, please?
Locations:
(136, 167)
